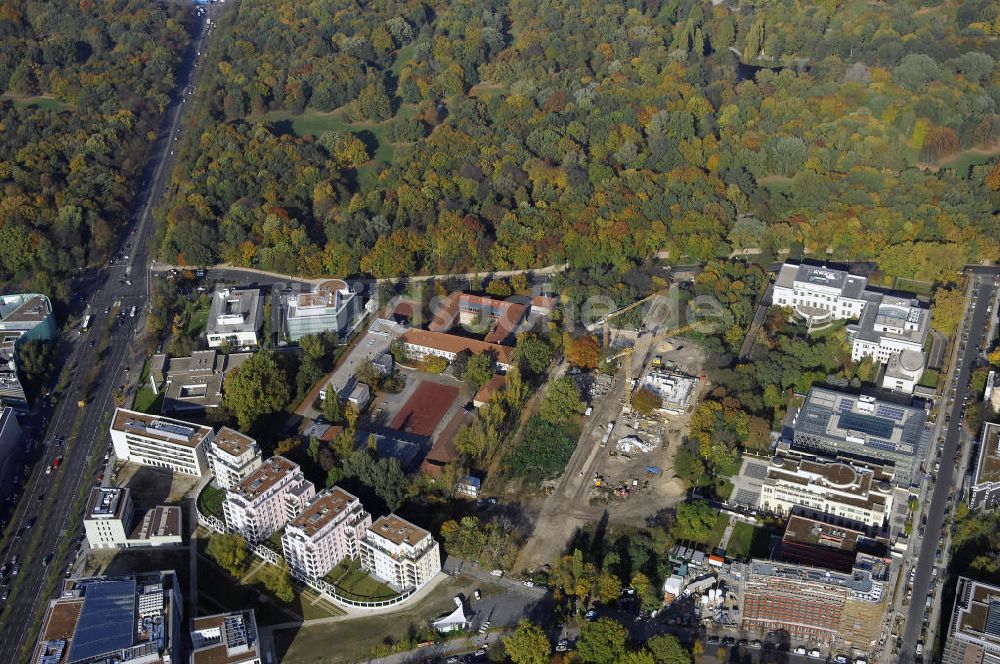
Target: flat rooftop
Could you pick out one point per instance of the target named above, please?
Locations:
(862, 420)
(977, 611)
(160, 428)
(988, 464)
(261, 480)
(849, 285)
(813, 531)
(893, 317)
(840, 481)
(233, 442)
(397, 530)
(161, 521)
(95, 619)
(107, 503)
(226, 638)
(196, 382)
(326, 299)
(858, 581)
(24, 308)
(325, 509)
(233, 311)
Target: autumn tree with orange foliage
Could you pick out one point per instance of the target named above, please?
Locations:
(583, 351)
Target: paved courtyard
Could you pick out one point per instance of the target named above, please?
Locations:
(746, 485)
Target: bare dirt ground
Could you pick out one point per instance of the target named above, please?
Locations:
(574, 501)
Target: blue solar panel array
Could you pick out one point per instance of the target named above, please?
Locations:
(107, 620)
(894, 413)
(993, 618)
(880, 444)
(845, 405)
(867, 424)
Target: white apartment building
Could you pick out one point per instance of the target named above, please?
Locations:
(225, 638)
(890, 329)
(234, 318)
(267, 499)
(233, 456)
(153, 440)
(828, 490)
(108, 515)
(400, 553)
(328, 530)
(110, 523)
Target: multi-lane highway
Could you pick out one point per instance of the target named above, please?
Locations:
(976, 323)
(101, 359)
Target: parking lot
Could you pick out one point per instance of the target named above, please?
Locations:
(374, 342)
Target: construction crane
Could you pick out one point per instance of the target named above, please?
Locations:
(627, 354)
(603, 321)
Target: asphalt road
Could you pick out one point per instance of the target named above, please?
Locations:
(49, 498)
(978, 323)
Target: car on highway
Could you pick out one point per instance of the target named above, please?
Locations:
(47, 559)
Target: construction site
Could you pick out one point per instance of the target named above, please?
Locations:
(623, 454)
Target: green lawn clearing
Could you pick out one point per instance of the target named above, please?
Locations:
(210, 501)
(748, 541)
(930, 378)
(354, 583)
(147, 401)
(362, 638)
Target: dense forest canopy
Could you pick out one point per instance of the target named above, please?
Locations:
(84, 87)
(443, 136)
